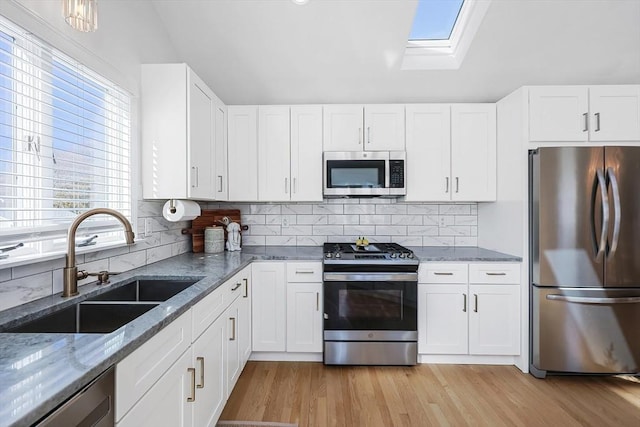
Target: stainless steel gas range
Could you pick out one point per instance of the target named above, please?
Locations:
(370, 304)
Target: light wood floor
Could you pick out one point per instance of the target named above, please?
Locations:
(312, 394)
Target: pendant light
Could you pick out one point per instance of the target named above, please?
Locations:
(81, 14)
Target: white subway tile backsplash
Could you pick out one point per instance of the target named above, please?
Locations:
(265, 209)
(437, 241)
(253, 240)
(431, 219)
(359, 209)
(456, 230)
(328, 230)
(465, 219)
(343, 219)
(310, 240)
(423, 230)
(128, 261)
(32, 269)
(391, 230)
(264, 230)
(280, 240)
(454, 209)
(158, 253)
(375, 219)
(466, 241)
(393, 209)
(297, 230)
(328, 209)
(408, 240)
(422, 209)
(297, 209)
(360, 230)
(250, 219)
(406, 219)
(311, 219)
(273, 219)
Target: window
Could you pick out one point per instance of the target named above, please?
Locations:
(64, 145)
(442, 33)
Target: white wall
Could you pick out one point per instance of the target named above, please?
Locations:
(129, 34)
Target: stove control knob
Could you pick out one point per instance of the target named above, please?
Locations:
(328, 255)
(394, 255)
(337, 255)
(410, 255)
(403, 255)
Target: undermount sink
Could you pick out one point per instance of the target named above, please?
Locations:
(86, 317)
(156, 290)
(108, 311)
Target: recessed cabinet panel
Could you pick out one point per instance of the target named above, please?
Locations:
(428, 152)
(494, 319)
(220, 179)
(615, 113)
(306, 153)
(268, 306)
(558, 113)
(384, 127)
(304, 317)
(343, 127)
(201, 139)
(473, 152)
(442, 319)
(243, 153)
(274, 177)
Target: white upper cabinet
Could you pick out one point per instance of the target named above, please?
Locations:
(243, 152)
(290, 153)
(584, 113)
(274, 160)
(221, 185)
(306, 153)
(473, 152)
(428, 152)
(358, 128)
(179, 144)
(451, 152)
(384, 127)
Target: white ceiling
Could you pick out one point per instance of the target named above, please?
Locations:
(350, 51)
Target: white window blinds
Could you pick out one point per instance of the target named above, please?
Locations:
(64, 143)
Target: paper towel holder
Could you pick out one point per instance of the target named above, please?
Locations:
(172, 206)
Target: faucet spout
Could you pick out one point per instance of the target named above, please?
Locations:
(70, 272)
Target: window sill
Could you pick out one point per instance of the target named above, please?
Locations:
(16, 261)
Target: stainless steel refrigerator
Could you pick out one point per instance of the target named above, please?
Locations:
(584, 225)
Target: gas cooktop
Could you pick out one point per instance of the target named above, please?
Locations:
(344, 253)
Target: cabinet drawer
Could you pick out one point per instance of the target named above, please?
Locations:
(140, 370)
(207, 311)
(429, 272)
(494, 273)
(301, 272)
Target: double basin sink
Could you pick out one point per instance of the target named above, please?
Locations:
(109, 310)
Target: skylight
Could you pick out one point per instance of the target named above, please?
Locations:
(435, 19)
(442, 33)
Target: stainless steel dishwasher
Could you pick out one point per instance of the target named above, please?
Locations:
(90, 407)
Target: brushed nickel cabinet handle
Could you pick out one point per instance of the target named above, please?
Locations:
(586, 122)
(220, 183)
(457, 184)
(495, 274)
(475, 303)
(437, 273)
(236, 287)
(233, 329)
(597, 122)
(294, 186)
(368, 134)
(246, 288)
(317, 301)
(192, 398)
(286, 185)
(194, 175)
(201, 360)
(464, 303)
(446, 184)
(307, 271)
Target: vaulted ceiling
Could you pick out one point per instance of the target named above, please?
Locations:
(350, 51)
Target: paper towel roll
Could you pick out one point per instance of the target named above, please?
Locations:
(185, 210)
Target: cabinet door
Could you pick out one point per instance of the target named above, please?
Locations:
(384, 127)
(615, 113)
(342, 127)
(232, 345)
(166, 403)
(208, 361)
(306, 153)
(442, 319)
(220, 148)
(558, 113)
(428, 152)
(473, 152)
(273, 154)
(494, 319)
(268, 304)
(243, 153)
(244, 314)
(304, 317)
(201, 140)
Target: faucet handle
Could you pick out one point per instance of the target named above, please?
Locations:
(103, 276)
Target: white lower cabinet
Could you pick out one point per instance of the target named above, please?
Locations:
(175, 380)
(287, 307)
(469, 309)
(304, 317)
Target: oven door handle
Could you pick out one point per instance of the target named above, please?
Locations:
(370, 277)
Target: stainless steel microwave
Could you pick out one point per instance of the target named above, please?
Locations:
(364, 174)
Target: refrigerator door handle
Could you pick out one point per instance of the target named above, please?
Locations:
(599, 246)
(591, 300)
(611, 177)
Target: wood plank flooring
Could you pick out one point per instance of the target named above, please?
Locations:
(312, 394)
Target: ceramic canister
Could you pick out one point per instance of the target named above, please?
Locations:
(213, 240)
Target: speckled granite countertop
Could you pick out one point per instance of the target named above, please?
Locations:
(39, 371)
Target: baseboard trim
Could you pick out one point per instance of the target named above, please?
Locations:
(264, 356)
(465, 359)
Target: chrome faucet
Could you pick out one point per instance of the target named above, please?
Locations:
(70, 272)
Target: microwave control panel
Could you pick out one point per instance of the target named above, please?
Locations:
(396, 173)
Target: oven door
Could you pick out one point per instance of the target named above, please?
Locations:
(370, 302)
(356, 174)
